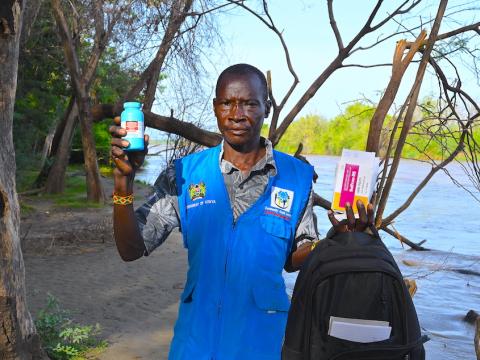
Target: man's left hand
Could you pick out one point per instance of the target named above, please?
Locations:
(365, 219)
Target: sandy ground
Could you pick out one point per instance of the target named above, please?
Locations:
(71, 255)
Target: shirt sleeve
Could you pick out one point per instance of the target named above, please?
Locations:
(159, 215)
(306, 229)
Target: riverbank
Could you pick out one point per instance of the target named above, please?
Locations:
(70, 254)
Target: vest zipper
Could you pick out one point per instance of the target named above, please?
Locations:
(220, 304)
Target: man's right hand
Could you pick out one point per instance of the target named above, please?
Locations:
(128, 238)
(126, 163)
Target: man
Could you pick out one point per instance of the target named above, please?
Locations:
(242, 209)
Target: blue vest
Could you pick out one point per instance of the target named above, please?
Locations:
(234, 306)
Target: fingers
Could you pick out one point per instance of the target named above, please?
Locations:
(332, 218)
(362, 214)
(370, 215)
(117, 148)
(350, 217)
(120, 143)
(365, 219)
(123, 165)
(117, 131)
(119, 156)
(338, 226)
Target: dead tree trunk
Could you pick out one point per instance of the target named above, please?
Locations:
(399, 66)
(55, 183)
(18, 338)
(407, 121)
(57, 140)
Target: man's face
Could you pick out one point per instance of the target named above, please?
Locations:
(240, 108)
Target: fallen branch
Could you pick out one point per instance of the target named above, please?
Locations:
(320, 201)
(404, 240)
(32, 192)
(182, 128)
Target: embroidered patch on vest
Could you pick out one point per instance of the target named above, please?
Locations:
(281, 198)
(197, 191)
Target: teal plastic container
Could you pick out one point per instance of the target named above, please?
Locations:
(132, 120)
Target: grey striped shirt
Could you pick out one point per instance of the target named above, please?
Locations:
(159, 215)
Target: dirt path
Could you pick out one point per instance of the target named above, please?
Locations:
(71, 255)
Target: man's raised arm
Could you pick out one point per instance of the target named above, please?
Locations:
(127, 235)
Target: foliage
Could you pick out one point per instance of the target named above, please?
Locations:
(42, 90)
(61, 338)
(320, 136)
(429, 137)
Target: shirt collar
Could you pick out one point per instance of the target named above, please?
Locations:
(267, 161)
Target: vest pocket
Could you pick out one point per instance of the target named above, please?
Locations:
(276, 226)
(274, 243)
(185, 313)
(265, 324)
(271, 298)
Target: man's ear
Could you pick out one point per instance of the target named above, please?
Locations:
(268, 106)
(214, 103)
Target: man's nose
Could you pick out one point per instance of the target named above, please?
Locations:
(238, 111)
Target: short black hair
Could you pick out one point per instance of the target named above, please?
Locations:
(243, 69)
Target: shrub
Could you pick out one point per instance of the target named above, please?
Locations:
(61, 338)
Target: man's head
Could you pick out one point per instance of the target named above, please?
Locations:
(241, 104)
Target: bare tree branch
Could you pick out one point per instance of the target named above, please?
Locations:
(334, 26)
(366, 66)
(473, 27)
(337, 63)
(386, 221)
(410, 109)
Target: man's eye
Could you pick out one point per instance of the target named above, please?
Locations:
(252, 103)
(225, 103)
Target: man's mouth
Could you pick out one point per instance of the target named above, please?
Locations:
(238, 132)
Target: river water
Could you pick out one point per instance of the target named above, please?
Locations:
(449, 219)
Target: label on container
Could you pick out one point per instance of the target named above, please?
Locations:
(134, 129)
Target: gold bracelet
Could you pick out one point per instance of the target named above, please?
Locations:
(313, 245)
(122, 200)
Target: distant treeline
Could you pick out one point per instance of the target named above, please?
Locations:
(350, 130)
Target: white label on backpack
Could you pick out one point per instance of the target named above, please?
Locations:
(359, 330)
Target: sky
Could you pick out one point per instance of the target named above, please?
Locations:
(305, 27)
(311, 42)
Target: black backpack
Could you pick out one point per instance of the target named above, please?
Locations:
(351, 275)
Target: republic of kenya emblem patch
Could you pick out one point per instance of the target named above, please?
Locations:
(197, 191)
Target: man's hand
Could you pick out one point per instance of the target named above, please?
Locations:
(365, 218)
(126, 163)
